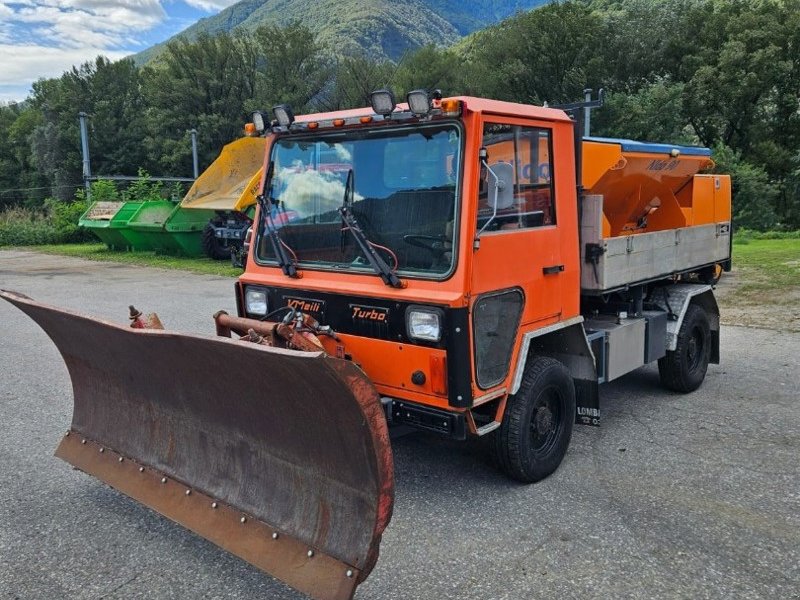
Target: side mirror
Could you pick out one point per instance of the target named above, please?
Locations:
(502, 174)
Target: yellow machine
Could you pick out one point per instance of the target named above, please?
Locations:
(228, 188)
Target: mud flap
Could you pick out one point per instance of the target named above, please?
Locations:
(278, 456)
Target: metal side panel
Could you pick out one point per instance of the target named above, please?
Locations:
(625, 340)
(626, 260)
(591, 234)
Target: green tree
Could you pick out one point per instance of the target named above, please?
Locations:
(754, 195)
(31, 184)
(9, 167)
(745, 88)
(429, 68)
(549, 54)
(110, 94)
(653, 113)
(204, 85)
(292, 68)
(355, 77)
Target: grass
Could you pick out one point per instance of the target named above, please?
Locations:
(100, 252)
(763, 291)
(743, 236)
(767, 265)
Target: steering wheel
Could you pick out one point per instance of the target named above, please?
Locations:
(437, 244)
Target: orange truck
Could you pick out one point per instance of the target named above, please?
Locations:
(463, 266)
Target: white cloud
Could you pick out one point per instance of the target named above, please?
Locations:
(44, 38)
(210, 5)
(24, 64)
(80, 23)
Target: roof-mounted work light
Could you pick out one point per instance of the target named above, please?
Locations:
(383, 102)
(283, 115)
(419, 102)
(260, 121)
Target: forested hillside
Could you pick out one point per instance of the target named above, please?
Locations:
(721, 73)
(381, 28)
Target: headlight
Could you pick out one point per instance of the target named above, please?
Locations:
(284, 115)
(259, 121)
(383, 102)
(419, 102)
(255, 301)
(424, 324)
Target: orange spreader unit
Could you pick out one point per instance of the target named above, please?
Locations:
(656, 182)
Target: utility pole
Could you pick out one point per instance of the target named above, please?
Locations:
(587, 113)
(194, 153)
(87, 165)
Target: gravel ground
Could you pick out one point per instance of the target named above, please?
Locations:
(675, 496)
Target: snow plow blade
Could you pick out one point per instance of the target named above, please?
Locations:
(280, 457)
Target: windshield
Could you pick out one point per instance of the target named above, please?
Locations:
(399, 185)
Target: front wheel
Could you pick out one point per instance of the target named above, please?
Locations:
(684, 369)
(213, 246)
(537, 424)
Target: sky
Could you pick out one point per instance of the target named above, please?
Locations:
(44, 38)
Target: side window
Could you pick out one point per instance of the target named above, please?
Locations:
(520, 159)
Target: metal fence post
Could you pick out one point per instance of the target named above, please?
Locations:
(194, 153)
(87, 165)
(587, 115)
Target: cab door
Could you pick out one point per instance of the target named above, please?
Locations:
(517, 266)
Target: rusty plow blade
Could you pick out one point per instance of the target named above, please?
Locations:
(278, 456)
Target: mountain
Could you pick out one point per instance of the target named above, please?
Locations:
(382, 28)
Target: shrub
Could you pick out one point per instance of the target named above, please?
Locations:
(22, 227)
(101, 191)
(64, 216)
(754, 196)
(144, 189)
(56, 224)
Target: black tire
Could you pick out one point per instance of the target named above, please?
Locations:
(212, 246)
(537, 424)
(684, 369)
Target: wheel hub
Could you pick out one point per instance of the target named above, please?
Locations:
(543, 421)
(694, 350)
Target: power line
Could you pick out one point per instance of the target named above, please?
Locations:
(46, 187)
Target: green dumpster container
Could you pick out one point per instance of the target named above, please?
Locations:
(146, 227)
(165, 227)
(120, 224)
(105, 219)
(185, 227)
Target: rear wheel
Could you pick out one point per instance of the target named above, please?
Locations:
(537, 424)
(684, 369)
(212, 245)
(711, 275)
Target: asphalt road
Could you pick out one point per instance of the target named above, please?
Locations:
(675, 496)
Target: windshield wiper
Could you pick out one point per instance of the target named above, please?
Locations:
(349, 219)
(265, 203)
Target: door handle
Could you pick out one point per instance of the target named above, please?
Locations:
(553, 270)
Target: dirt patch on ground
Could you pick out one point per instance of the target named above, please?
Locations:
(742, 302)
